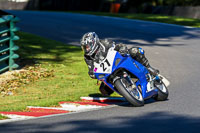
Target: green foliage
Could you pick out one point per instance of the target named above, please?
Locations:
(153, 17)
(182, 2)
(138, 3)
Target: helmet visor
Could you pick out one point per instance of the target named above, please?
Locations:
(87, 47)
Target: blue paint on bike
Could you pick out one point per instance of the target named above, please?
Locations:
(132, 66)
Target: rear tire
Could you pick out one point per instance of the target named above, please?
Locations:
(162, 91)
(136, 101)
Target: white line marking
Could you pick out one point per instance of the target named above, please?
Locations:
(59, 108)
(102, 98)
(63, 114)
(76, 107)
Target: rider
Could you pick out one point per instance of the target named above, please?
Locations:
(96, 50)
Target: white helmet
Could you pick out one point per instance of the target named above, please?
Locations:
(90, 43)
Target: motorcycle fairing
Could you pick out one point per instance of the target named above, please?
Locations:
(126, 62)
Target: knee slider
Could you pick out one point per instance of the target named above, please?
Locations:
(133, 51)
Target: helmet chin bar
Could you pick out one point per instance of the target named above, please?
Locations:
(93, 50)
(90, 43)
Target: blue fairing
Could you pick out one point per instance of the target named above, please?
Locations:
(133, 67)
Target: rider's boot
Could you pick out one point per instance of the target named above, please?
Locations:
(151, 70)
(138, 54)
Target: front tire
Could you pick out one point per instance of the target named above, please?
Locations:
(132, 95)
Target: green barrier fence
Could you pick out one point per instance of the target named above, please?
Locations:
(7, 45)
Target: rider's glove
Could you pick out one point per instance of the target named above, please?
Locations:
(122, 49)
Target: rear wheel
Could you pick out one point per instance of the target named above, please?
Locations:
(162, 91)
(130, 92)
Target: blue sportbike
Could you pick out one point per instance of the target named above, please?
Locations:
(129, 78)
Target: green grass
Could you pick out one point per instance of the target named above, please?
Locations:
(151, 17)
(71, 80)
(3, 117)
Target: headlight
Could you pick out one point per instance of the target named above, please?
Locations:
(117, 61)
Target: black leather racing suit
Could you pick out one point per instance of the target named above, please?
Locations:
(135, 52)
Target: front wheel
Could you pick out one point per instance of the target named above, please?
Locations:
(162, 91)
(130, 92)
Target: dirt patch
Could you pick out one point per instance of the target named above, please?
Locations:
(9, 75)
(11, 81)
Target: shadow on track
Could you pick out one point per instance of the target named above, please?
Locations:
(158, 122)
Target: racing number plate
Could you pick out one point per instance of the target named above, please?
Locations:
(106, 65)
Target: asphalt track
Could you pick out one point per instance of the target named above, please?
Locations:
(175, 50)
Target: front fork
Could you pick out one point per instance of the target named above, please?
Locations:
(152, 80)
(130, 81)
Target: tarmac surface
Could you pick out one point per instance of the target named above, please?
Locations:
(174, 50)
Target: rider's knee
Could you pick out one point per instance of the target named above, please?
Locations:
(134, 51)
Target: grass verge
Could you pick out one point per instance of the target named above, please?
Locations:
(151, 17)
(3, 117)
(70, 80)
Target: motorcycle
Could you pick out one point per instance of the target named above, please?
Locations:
(129, 78)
